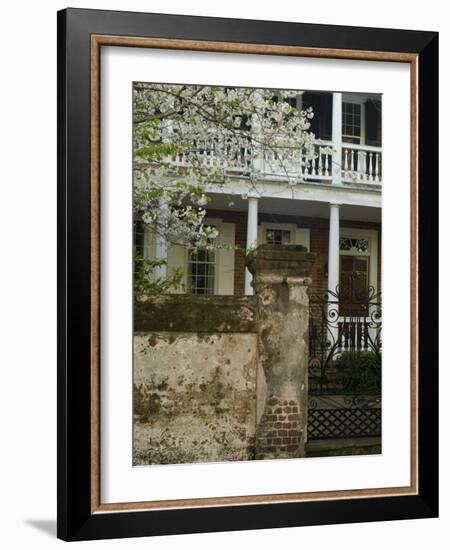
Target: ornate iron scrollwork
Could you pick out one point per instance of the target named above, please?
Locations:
(345, 349)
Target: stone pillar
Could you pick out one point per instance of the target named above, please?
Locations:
(252, 237)
(280, 280)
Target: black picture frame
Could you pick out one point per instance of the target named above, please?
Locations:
(76, 521)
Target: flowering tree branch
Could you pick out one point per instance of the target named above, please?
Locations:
(188, 139)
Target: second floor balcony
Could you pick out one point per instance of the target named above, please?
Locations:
(359, 164)
(347, 146)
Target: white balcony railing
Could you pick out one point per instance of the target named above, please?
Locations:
(317, 169)
(360, 163)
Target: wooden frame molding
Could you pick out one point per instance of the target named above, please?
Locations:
(97, 41)
(260, 49)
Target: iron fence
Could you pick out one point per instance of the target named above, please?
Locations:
(345, 351)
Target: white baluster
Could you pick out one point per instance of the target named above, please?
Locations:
(352, 160)
(346, 163)
(364, 175)
(370, 166)
(216, 151)
(219, 151)
(320, 162)
(377, 167)
(222, 151)
(359, 166)
(306, 167)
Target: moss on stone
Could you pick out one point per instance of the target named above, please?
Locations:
(200, 314)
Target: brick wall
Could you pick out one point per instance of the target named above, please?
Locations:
(281, 431)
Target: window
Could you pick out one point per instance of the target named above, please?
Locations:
(351, 122)
(278, 236)
(322, 106)
(138, 236)
(292, 101)
(353, 245)
(201, 271)
(373, 122)
(138, 240)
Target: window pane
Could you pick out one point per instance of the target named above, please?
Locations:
(278, 236)
(201, 271)
(351, 120)
(286, 237)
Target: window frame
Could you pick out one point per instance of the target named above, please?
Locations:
(280, 226)
(355, 99)
(217, 223)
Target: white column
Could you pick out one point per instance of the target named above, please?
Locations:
(337, 137)
(161, 247)
(252, 237)
(333, 272)
(333, 248)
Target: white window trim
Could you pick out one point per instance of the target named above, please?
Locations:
(282, 226)
(217, 222)
(357, 99)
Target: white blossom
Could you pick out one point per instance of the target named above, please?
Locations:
(188, 139)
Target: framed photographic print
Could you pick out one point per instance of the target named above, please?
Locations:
(247, 274)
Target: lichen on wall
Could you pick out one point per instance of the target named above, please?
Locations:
(194, 397)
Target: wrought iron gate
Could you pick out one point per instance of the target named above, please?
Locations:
(345, 363)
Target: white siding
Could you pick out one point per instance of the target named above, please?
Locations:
(177, 257)
(302, 236)
(225, 259)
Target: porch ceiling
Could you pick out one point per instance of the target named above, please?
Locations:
(290, 207)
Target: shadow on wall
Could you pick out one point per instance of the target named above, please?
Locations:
(46, 526)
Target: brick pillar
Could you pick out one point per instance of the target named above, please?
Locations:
(280, 281)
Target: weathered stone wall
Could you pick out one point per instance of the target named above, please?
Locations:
(223, 378)
(195, 361)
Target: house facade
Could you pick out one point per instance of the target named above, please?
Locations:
(334, 209)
